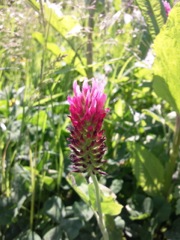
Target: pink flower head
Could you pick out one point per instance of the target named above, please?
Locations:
(87, 140)
(167, 7)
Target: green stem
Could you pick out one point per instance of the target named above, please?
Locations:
(171, 165)
(99, 214)
(176, 143)
(32, 167)
(176, 140)
(89, 55)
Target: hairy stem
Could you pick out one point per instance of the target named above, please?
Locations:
(99, 214)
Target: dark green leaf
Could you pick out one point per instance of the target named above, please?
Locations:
(54, 233)
(72, 227)
(53, 208)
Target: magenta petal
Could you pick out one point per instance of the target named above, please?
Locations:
(87, 112)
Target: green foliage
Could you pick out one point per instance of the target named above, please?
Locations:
(87, 192)
(148, 170)
(166, 68)
(40, 58)
(154, 15)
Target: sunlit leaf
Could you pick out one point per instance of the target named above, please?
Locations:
(79, 184)
(147, 169)
(39, 119)
(109, 203)
(166, 65)
(154, 14)
(158, 118)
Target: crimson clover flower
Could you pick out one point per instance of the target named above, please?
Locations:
(167, 7)
(87, 140)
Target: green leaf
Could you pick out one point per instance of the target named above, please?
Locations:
(4, 107)
(109, 204)
(178, 207)
(147, 169)
(53, 208)
(166, 65)
(139, 211)
(158, 118)
(72, 227)
(39, 37)
(79, 184)
(117, 4)
(87, 193)
(173, 232)
(7, 211)
(39, 118)
(52, 47)
(162, 208)
(83, 211)
(54, 233)
(29, 235)
(113, 227)
(116, 185)
(49, 182)
(63, 24)
(154, 14)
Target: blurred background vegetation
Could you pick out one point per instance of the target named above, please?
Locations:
(44, 47)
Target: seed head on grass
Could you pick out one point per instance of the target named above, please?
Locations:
(87, 139)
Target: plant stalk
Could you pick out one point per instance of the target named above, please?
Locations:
(171, 165)
(99, 214)
(176, 140)
(89, 55)
(32, 167)
(176, 143)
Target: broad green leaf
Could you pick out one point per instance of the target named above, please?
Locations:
(116, 185)
(147, 169)
(79, 184)
(29, 235)
(154, 15)
(39, 37)
(72, 227)
(49, 182)
(63, 24)
(66, 26)
(53, 208)
(162, 208)
(114, 227)
(82, 210)
(166, 65)
(109, 204)
(119, 108)
(173, 232)
(52, 47)
(54, 233)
